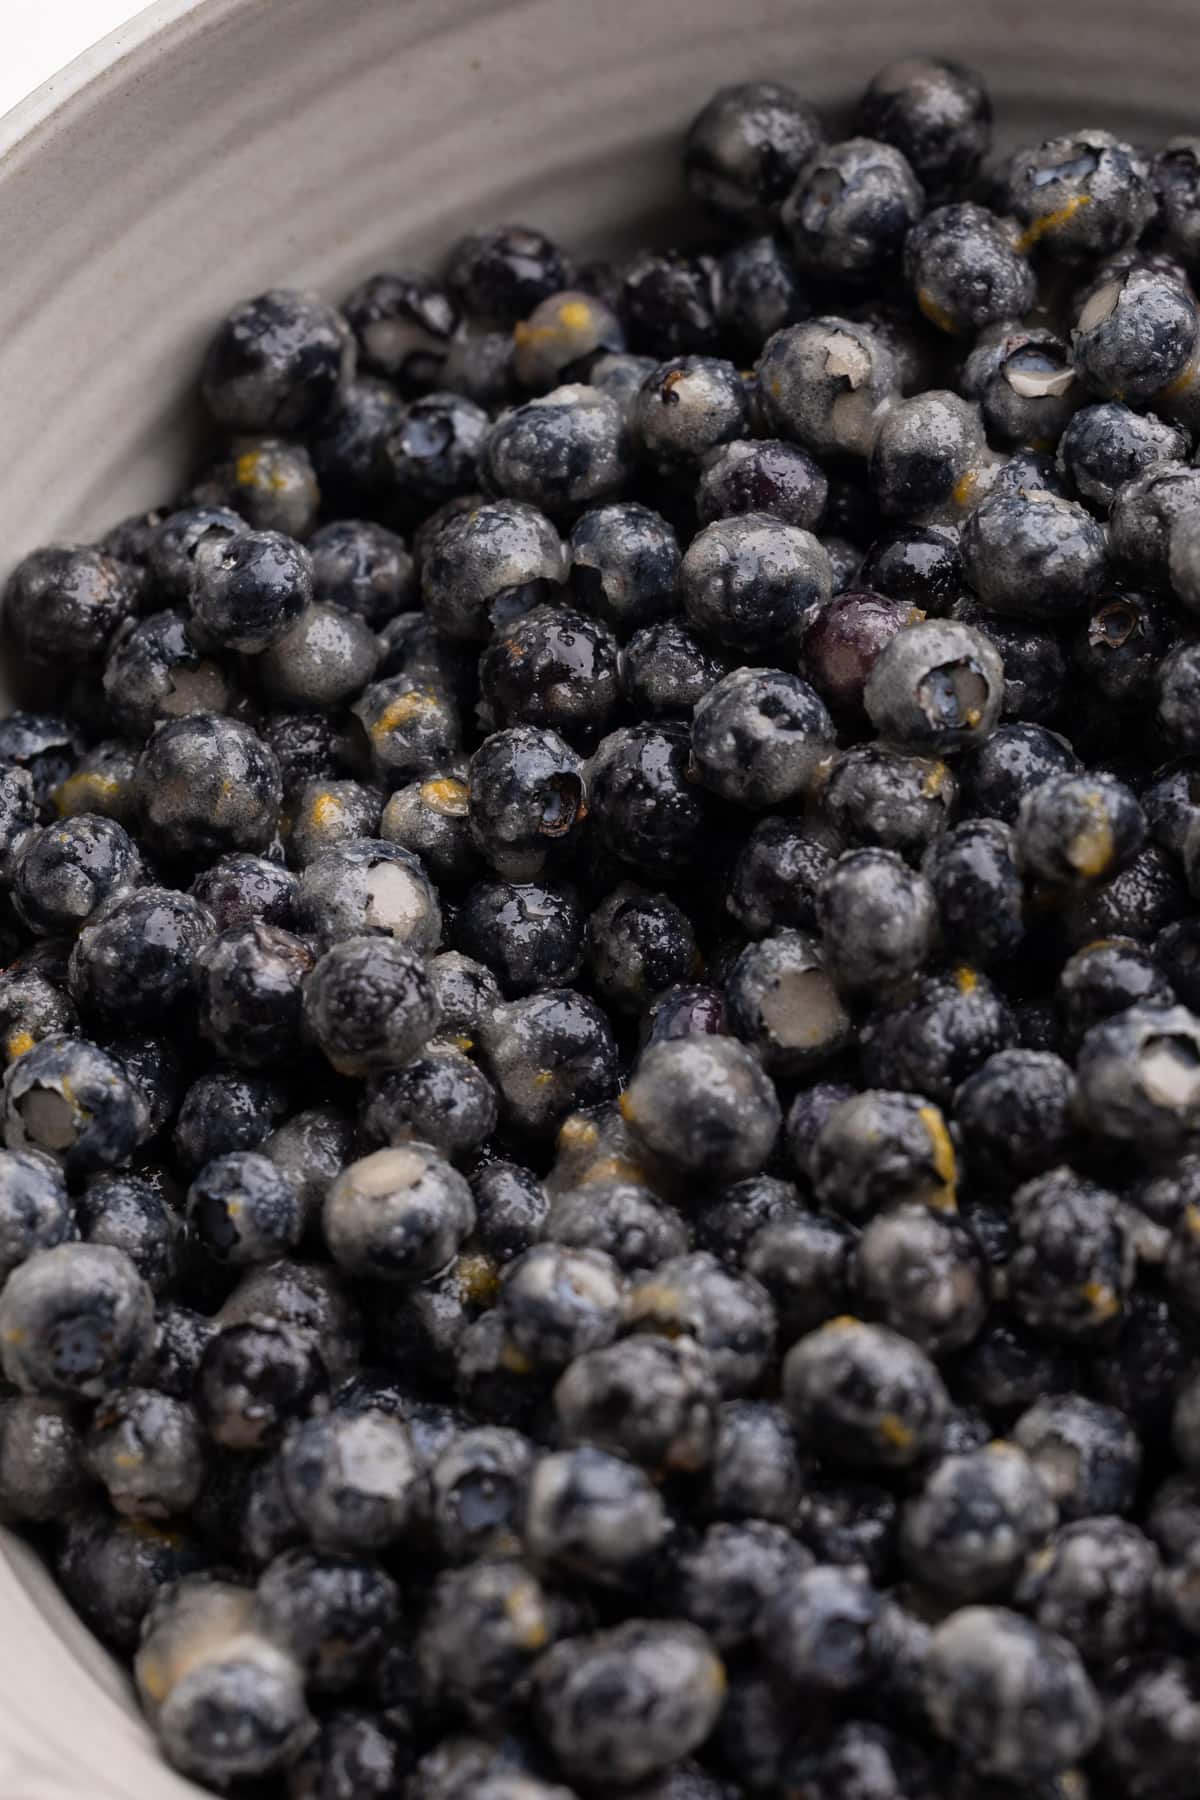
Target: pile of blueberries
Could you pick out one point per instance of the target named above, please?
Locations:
(602, 1098)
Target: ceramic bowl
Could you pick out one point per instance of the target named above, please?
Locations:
(215, 147)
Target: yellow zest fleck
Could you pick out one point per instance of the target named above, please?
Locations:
(842, 1322)
(514, 1360)
(1091, 849)
(626, 1108)
(578, 1134)
(446, 796)
(1101, 1299)
(914, 616)
(1182, 382)
(935, 781)
(895, 1432)
(18, 1044)
(944, 1164)
(15, 1336)
(325, 809)
(719, 1679)
(613, 1168)
(235, 1208)
(153, 1679)
(543, 1078)
(965, 980)
(478, 1278)
(937, 315)
(88, 783)
(252, 470)
(125, 1459)
(463, 1043)
(576, 315)
(525, 1616)
(1072, 1785)
(655, 1297)
(525, 334)
(1191, 1219)
(965, 486)
(1050, 221)
(156, 1534)
(403, 709)
(972, 715)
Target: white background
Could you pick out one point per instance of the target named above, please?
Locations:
(41, 36)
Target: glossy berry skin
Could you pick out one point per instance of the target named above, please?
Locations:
(668, 304)
(703, 1104)
(1033, 555)
(134, 959)
(129, 1214)
(864, 888)
(775, 878)
(155, 670)
(1134, 334)
(642, 804)
(917, 563)
(269, 482)
(750, 581)
(401, 322)
(870, 1397)
(666, 670)
(398, 1214)
(63, 875)
(928, 457)
(244, 1210)
(989, 1673)
(1077, 828)
(936, 685)
(432, 452)
(936, 111)
(851, 207)
(1106, 445)
(759, 293)
(744, 149)
(1135, 1077)
(556, 1033)
(277, 363)
(760, 737)
(843, 642)
(1017, 1115)
(556, 668)
(1016, 759)
(687, 408)
(827, 384)
(624, 565)
(207, 784)
(323, 661)
(638, 944)
(362, 568)
(248, 982)
(1082, 196)
(77, 1320)
(63, 605)
(488, 565)
(368, 888)
(223, 1111)
(966, 268)
(68, 1097)
(761, 475)
(891, 798)
(501, 274)
(526, 795)
(931, 1044)
(1024, 383)
(663, 1675)
(563, 451)
(977, 885)
(1143, 513)
(369, 1004)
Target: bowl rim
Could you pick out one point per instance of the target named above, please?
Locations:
(63, 96)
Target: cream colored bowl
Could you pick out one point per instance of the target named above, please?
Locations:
(213, 148)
